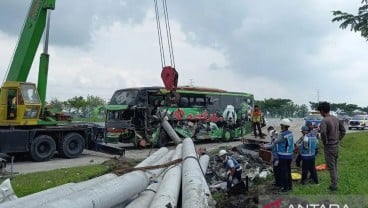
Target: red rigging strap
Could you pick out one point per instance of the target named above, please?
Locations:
(170, 78)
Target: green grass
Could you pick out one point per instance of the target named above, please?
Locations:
(352, 169)
(26, 184)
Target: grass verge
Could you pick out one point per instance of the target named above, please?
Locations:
(26, 184)
(352, 169)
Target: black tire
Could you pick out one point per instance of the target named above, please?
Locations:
(42, 148)
(162, 139)
(72, 145)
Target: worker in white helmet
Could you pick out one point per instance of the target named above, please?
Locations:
(233, 169)
(285, 147)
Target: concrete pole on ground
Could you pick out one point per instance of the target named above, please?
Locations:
(112, 192)
(49, 195)
(203, 161)
(168, 193)
(195, 191)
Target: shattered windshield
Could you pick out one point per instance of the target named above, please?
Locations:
(124, 97)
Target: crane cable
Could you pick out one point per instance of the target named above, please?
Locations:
(168, 33)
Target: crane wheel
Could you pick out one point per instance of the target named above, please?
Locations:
(71, 145)
(42, 148)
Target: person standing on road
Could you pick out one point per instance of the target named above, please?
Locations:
(285, 147)
(307, 149)
(256, 119)
(332, 132)
(233, 169)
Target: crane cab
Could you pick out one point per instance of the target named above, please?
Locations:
(20, 104)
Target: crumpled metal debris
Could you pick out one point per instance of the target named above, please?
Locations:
(253, 167)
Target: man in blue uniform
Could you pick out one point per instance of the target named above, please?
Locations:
(285, 147)
(233, 169)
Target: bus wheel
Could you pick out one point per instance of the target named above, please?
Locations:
(71, 145)
(227, 135)
(162, 139)
(42, 148)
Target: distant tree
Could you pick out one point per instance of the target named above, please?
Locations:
(91, 103)
(56, 105)
(277, 107)
(302, 110)
(365, 109)
(357, 22)
(347, 108)
(77, 103)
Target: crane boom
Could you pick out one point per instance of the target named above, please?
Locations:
(29, 40)
(25, 125)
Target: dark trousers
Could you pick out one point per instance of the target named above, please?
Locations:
(331, 156)
(237, 175)
(257, 125)
(285, 174)
(277, 174)
(309, 165)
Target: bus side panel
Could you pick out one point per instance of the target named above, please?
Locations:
(14, 141)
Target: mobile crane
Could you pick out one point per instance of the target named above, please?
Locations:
(25, 125)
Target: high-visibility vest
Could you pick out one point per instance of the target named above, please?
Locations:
(285, 148)
(256, 116)
(308, 150)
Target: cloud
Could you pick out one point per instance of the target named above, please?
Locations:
(280, 49)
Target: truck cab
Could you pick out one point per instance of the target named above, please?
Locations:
(20, 104)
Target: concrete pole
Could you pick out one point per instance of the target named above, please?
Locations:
(170, 131)
(203, 161)
(144, 199)
(168, 193)
(6, 191)
(49, 195)
(195, 191)
(113, 192)
(153, 158)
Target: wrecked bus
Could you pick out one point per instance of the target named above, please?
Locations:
(132, 115)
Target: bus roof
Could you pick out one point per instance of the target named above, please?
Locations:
(192, 89)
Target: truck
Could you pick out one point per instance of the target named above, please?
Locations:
(26, 126)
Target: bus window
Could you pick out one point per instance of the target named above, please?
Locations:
(213, 103)
(226, 100)
(199, 101)
(184, 102)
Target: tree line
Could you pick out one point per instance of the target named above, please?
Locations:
(77, 106)
(81, 107)
(286, 108)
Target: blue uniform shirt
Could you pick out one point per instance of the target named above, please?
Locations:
(285, 145)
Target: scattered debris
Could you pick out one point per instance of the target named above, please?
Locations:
(254, 178)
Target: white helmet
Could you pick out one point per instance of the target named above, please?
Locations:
(222, 153)
(285, 122)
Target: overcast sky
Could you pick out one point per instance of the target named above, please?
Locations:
(272, 49)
